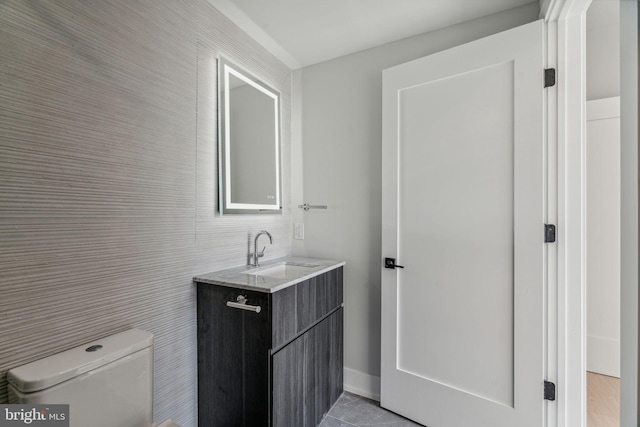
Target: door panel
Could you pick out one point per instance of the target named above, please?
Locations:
(462, 331)
(455, 210)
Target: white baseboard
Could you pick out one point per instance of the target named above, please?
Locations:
(603, 356)
(362, 384)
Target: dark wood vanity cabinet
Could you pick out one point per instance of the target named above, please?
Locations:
(281, 367)
(307, 375)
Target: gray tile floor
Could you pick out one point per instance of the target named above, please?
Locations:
(352, 410)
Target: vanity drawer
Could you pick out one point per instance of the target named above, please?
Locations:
(317, 297)
(283, 319)
(328, 292)
(298, 307)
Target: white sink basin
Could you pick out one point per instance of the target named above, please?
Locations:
(282, 271)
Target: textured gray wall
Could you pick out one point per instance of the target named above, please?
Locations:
(108, 178)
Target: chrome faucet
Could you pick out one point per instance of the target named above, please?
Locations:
(257, 254)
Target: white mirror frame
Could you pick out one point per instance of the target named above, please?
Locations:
(226, 205)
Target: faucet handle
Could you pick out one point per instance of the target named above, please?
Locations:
(261, 253)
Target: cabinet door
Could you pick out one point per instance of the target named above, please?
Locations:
(233, 359)
(336, 352)
(322, 362)
(288, 385)
(322, 368)
(219, 391)
(307, 375)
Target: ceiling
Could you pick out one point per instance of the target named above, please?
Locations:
(305, 32)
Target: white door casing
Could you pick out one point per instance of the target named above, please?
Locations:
(463, 211)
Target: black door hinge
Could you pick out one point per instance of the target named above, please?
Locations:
(549, 391)
(549, 77)
(549, 233)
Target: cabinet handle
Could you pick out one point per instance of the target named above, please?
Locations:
(241, 303)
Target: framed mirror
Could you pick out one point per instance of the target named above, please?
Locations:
(249, 143)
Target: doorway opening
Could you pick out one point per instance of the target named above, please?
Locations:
(603, 214)
(603, 262)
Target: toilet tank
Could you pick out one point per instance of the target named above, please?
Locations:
(107, 383)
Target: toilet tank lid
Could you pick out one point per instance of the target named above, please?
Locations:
(52, 370)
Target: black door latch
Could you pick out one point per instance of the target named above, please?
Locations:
(391, 263)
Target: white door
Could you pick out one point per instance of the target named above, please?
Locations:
(463, 212)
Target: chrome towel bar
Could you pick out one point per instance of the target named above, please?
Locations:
(241, 303)
(307, 206)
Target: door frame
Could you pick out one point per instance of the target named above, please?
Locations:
(566, 142)
(566, 207)
(629, 211)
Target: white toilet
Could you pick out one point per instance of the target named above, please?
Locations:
(107, 383)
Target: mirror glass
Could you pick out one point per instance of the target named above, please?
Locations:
(249, 149)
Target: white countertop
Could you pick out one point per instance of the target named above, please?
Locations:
(248, 276)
